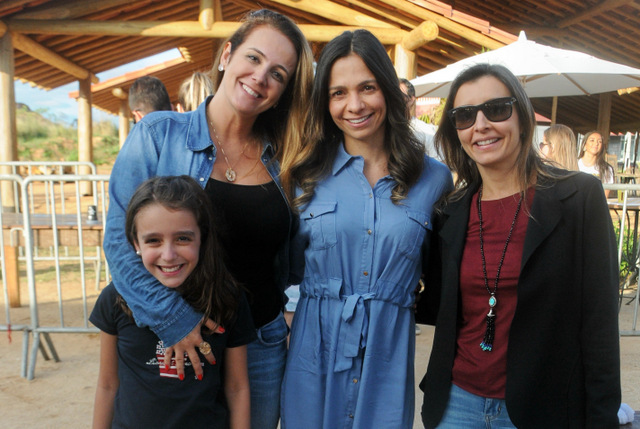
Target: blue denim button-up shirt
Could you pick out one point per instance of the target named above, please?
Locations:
(166, 144)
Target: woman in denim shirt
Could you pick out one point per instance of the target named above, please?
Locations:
(367, 193)
(238, 138)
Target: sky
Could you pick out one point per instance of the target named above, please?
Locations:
(56, 104)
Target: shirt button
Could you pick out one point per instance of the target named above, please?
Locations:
(369, 231)
(355, 380)
(366, 273)
(426, 223)
(202, 179)
(370, 195)
(310, 214)
(350, 416)
(210, 158)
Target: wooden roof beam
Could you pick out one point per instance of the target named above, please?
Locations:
(219, 30)
(445, 23)
(210, 12)
(36, 50)
(71, 10)
(592, 11)
(335, 12)
(423, 33)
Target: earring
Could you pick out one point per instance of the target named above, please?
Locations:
(138, 252)
(220, 67)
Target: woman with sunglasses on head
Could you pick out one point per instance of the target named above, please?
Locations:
(524, 262)
(233, 144)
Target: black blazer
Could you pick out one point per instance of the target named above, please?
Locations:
(563, 361)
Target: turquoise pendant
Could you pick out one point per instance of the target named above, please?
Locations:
(492, 301)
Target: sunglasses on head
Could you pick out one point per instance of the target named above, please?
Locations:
(496, 110)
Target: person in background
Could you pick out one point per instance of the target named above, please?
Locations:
(170, 224)
(424, 132)
(592, 158)
(526, 331)
(234, 144)
(148, 94)
(365, 199)
(193, 91)
(559, 146)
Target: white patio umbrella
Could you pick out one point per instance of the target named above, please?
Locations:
(543, 70)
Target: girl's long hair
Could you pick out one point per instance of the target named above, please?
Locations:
(323, 137)
(604, 168)
(209, 289)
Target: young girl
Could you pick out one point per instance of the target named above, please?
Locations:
(169, 224)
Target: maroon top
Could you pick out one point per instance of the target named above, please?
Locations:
(481, 372)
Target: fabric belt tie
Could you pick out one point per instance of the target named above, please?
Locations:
(353, 328)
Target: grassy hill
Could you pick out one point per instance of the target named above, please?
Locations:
(42, 139)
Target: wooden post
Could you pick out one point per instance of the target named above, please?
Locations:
(405, 62)
(124, 114)
(604, 117)
(206, 16)
(85, 132)
(12, 275)
(123, 121)
(8, 133)
(554, 110)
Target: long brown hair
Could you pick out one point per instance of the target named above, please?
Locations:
(604, 168)
(323, 137)
(209, 289)
(283, 124)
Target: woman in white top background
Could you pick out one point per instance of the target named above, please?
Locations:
(591, 158)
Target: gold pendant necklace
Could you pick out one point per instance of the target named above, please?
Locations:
(230, 174)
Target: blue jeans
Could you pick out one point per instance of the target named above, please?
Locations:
(469, 411)
(266, 360)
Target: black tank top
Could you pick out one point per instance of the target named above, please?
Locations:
(252, 222)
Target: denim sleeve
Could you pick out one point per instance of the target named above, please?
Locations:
(153, 305)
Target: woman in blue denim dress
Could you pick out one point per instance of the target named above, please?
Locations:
(233, 145)
(366, 196)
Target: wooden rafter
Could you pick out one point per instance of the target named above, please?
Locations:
(335, 12)
(593, 11)
(71, 10)
(319, 33)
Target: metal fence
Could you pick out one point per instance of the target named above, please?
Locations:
(56, 236)
(625, 210)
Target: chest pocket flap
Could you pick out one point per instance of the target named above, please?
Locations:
(320, 219)
(416, 227)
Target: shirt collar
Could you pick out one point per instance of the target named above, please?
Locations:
(342, 159)
(199, 126)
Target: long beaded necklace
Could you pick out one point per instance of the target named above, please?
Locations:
(487, 342)
(230, 174)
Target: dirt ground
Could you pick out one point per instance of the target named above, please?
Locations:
(61, 394)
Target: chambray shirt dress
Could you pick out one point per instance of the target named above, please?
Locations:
(350, 362)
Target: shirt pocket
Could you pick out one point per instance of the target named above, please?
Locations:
(320, 219)
(415, 229)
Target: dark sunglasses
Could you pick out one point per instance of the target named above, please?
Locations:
(496, 110)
